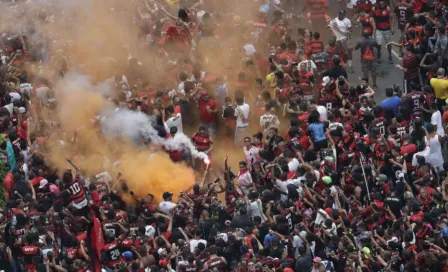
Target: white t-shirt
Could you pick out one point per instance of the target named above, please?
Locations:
(283, 186)
(249, 49)
(268, 120)
(436, 119)
(323, 113)
(223, 236)
(293, 164)
(310, 65)
(194, 244)
(343, 27)
(245, 179)
(254, 209)
(181, 86)
(10, 108)
(150, 231)
(242, 115)
(250, 154)
(175, 121)
(166, 206)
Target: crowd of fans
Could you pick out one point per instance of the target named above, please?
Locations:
(329, 179)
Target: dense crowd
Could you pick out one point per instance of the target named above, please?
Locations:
(330, 178)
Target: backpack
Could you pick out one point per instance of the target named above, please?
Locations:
(368, 54)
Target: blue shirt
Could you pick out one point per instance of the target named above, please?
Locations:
(391, 103)
(318, 130)
(221, 93)
(267, 239)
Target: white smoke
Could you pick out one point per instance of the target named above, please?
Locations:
(138, 127)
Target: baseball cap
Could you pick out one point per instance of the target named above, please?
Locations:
(127, 255)
(167, 195)
(327, 180)
(42, 183)
(366, 251)
(22, 110)
(329, 159)
(317, 260)
(407, 195)
(325, 81)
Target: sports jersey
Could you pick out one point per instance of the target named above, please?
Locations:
(381, 124)
(111, 254)
(305, 80)
(382, 19)
(31, 256)
(416, 99)
(77, 193)
(403, 12)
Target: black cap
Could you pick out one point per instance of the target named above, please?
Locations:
(167, 195)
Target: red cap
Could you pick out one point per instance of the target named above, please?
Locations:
(288, 270)
(329, 211)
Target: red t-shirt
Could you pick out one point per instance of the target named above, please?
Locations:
(36, 181)
(8, 182)
(204, 115)
(287, 56)
(445, 117)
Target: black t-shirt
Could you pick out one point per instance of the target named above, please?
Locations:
(22, 188)
(276, 253)
(263, 230)
(335, 72)
(229, 113)
(207, 226)
(241, 221)
(394, 204)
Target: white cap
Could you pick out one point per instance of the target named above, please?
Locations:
(22, 110)
(42, 183)
(325, 81)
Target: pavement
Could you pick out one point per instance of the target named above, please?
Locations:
(387, 74)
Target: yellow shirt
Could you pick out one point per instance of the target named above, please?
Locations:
(440, 87)
(270, 78)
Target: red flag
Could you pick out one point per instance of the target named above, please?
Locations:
(97, 239)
